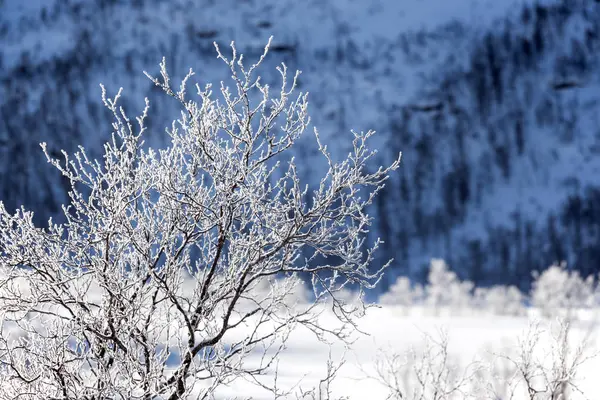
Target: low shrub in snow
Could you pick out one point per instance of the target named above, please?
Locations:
(402, 293)
(445, 290)
(545, 363)
(554, 292)
(557, 289)
(500, 300)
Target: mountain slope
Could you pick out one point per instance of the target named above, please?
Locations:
(503, 178)
(493, 105)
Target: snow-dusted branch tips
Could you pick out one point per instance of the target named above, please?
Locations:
(175, 264)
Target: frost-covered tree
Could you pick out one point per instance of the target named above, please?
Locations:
(147, 290)
(402, 293)
(444, 289)
(500, 300)
(558, 289)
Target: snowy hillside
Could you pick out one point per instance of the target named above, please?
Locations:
(493, 104)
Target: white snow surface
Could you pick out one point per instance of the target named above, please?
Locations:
(390, 329)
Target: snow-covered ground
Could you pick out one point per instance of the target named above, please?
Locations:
(391, 330)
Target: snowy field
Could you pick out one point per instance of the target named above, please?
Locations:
(446, 337)
(474, 341)
(445, 340)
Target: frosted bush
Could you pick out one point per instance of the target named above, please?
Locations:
(297, 291)
(352, 297)
(544, 363)
(444, 289)
(401, 293)
(500, 300)
(557, 289)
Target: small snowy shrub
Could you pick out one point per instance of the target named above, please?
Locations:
(499, 300)
(401, 293)
(557, 289)
(297, 291)
(445, 290)
(428, 371)
(544, 363)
